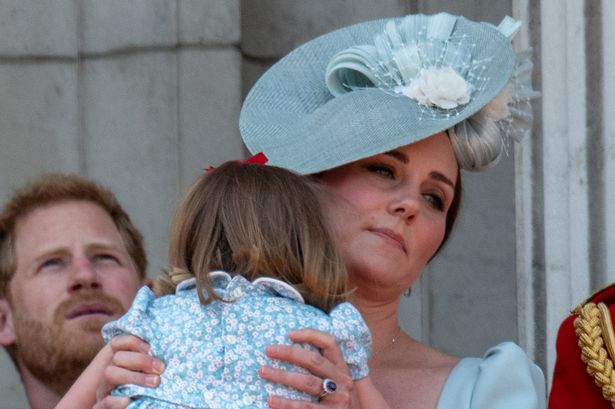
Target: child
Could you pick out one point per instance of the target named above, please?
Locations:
(251, 261)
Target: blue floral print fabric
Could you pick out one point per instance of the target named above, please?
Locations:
(213, 352)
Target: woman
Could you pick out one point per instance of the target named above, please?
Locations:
(385, 113)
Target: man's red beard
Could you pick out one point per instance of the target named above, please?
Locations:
(57, 353)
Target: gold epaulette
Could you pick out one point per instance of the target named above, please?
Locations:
(594, 331)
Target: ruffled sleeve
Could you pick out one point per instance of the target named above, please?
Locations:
(505, 378)
(137, 320)
(353, 336)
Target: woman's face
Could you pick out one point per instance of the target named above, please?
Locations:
(389, 211)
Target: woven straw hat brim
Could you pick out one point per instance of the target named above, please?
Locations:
(291, 116)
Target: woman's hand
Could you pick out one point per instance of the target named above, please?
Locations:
(329, 364)
(130, 364)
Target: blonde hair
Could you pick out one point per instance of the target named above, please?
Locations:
(255, 221)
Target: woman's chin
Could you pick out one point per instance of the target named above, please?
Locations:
(377, 273)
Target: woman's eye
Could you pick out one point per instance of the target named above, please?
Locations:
(382, 170)
(435, 201)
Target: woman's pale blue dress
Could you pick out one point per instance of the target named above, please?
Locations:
(505, 378)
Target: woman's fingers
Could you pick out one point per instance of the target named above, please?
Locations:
(327, 364)
(327, 343)
(313, 361)
(309, 384)
(276, 402)
(112, 402)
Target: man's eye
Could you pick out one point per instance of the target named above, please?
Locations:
(105, 258)
(50, 263)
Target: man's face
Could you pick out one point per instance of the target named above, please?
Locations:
(73, 275)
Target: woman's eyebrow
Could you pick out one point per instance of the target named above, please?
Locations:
(400, 156)
(439, 176)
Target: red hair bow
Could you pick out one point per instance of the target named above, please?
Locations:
(257, 159)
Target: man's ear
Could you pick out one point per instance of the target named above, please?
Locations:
(7, 329)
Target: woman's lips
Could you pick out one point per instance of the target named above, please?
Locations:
(391, 237)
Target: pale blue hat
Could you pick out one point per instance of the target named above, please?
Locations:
(375, 86)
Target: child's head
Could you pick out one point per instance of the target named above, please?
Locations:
(256, 221)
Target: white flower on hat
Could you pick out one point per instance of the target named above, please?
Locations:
(440, 87)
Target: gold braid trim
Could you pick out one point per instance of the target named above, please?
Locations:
(593, 329)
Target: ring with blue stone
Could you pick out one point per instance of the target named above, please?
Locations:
(328, 386)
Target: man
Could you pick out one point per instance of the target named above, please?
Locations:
(70, 261)
(584, 375)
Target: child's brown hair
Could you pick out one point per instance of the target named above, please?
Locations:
(255, 221)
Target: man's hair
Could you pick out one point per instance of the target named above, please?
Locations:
(256, 221)
(56, 188)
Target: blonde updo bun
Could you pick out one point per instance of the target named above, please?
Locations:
(477, 143)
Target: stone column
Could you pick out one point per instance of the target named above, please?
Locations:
(565, 172)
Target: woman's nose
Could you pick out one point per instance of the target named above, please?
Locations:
(83, 275)
(406, 206)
